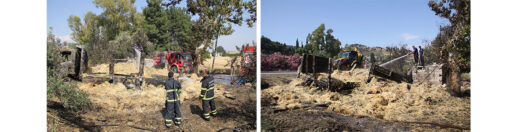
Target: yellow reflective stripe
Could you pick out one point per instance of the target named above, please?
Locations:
(206, 115)
(178, 118)
(207, 88)
(208, 98)
(213, 111)
(201, 95)
(171, 100)
(205, 93)
(168, 120)
(168, 124)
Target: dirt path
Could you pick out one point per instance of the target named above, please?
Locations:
(238, 113)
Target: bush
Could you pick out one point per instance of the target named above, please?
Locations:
(122, 45)
(99, 49)
(68, 94)
(294, 61)
(231, 55)
(206, 55)
(277, 61)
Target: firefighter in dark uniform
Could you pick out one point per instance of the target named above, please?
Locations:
(173, 111)
(207, 94)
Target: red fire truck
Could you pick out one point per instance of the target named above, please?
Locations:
(248, 60)
(174, 61)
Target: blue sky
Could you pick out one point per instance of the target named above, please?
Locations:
(58, 12)
(369, 22)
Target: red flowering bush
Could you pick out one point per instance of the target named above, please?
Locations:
(277, 61)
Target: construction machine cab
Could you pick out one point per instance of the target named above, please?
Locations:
(349, 59)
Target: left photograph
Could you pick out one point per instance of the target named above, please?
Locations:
(151, 65)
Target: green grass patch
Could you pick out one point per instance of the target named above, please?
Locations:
(231, 55)
(465, 76)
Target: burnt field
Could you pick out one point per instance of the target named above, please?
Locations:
(380, 105)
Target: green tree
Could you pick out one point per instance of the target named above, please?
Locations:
(89, 32)
(321, 42)
(220, 49)
(372, 58)
(455, 50)
(139, 37)
(82, 33)
(117, 16)
(181, 34)
(215, 18)
(332, 44)
(458, 14)
(308, 46)
(96, 31)
(156, 24)
(318, 38)
(297, 44)
(122, 45)
(268, 47)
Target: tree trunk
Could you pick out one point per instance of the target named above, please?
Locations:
(455, 80)
(214, 55)
(453, 75)
(141, 71)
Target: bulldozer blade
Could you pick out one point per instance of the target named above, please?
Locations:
(321, 64)
(351, 70)
(388, 74)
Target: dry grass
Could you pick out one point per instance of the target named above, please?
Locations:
(127, 69)
(117, 98)
(220, 62)
(378, 99)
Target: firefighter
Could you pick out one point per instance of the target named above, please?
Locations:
(421, 54)
(207, 94)
(173, 111)
(415, 55)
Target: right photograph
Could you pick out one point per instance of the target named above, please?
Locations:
(365, 65)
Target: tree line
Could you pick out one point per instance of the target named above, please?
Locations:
(269, 47)
(162, 25)
(320, 42)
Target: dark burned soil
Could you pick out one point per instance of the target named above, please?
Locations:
(319, 117)
(237, 111)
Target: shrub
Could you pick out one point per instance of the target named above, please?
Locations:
(277, 61)
(294, 61)
(206, 55)
(68, 94)
(122, 45)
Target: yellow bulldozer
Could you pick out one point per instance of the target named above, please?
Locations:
(349, 60)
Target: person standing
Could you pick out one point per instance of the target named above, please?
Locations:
(207, 94)
(415, 55)
(173, 111)
(421, 53)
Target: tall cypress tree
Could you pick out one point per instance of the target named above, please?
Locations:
(156, 24)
